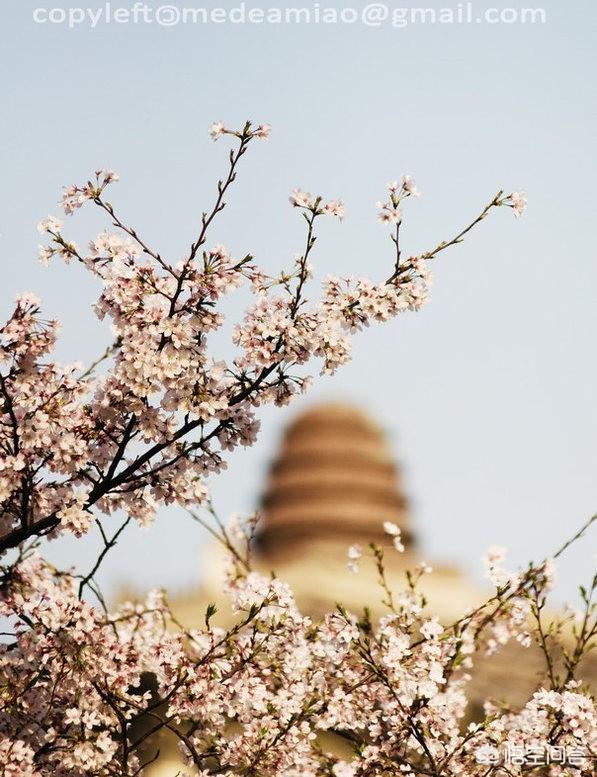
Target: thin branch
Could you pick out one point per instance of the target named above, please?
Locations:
(132, 233)
(108, 544)
(495, 203)
(105, 355)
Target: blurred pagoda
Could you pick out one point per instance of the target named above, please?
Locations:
(333, 484)
(334, 470)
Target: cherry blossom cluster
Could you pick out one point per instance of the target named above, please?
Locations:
(161, 417)
(85, 691)
(389, 212)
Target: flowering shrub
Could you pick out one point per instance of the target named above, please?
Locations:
(83, 689)
(77, 701)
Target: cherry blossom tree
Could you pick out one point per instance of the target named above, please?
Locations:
(84, 688)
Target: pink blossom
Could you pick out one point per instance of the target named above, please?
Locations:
(108, 176)
(354, 554)
(518, 202)
(74, 197)
(431, 629)
(49, 224)
(394, 531)
(335, 208)
(217, 129)
(300, 199)
(263, 131)
(388, 213)
(409, 186)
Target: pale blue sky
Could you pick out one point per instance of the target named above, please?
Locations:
(488, 395)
